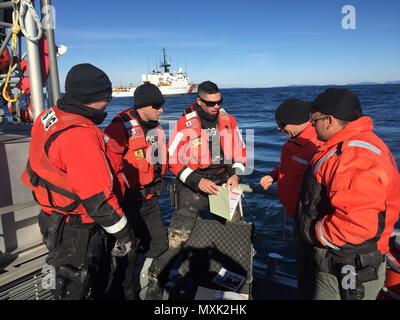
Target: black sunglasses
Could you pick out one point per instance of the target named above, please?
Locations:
(281, 125)
(157, 106)
(210, 104)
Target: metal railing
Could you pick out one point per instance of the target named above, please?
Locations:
(31, 25)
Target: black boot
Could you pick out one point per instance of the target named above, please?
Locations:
(154, 290)
(129, 282)
(158, 273)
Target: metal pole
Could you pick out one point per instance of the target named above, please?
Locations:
(54, 80)
(5, 24)
(5, 42)
(6, 5)
(50, 101)
(2, 18)
(35, 73)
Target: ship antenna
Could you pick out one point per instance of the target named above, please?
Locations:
(165, 64)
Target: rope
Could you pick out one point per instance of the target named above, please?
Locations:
(25, 7)
(15, 31)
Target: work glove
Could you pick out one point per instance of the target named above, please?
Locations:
(124, 244)
(121, 249)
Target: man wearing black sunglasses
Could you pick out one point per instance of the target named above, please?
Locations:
(217, 155)
(293, 120)
(137, 150)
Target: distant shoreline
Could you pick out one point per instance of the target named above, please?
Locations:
(319, 85)
(312, 85)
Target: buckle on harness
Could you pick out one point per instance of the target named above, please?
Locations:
(34, 179)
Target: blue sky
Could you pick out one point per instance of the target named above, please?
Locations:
(234, 43)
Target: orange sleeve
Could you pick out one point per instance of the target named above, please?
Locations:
(77, 152)
(176, 147)
(358, 197)
(275, 174)
(178, 162)
(283, 158)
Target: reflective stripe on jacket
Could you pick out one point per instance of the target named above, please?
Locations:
(360, 183)
(295, 158)
(68, 172)
(188, 147)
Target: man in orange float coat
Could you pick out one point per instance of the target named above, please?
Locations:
(293, 119)
(350, 200)
(205, 150)
(138, 154)
(71, 180)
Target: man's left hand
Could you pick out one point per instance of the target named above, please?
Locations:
(232, 182)
(121, 249)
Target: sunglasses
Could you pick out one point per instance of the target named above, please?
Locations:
(210, 104)
(315, 120)
(157, 106)
(281, 125)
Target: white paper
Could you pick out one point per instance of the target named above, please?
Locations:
(234, 197)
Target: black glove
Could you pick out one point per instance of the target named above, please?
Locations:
(126, 242)
(121, 249)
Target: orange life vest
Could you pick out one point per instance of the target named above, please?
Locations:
(48, 183)
(138, 164)
(198, 152)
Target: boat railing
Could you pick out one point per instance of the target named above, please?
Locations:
(26, 24)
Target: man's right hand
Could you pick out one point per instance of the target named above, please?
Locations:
(266, 181)
(124, 243)
(207, 186)
(121, 249)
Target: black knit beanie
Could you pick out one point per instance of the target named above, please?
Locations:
(293, 111)
(87, 83)
(147, 94)
(341, 103)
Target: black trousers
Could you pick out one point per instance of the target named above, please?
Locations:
(305, 266)
(151, 239)
(79, 254)
(146, 221)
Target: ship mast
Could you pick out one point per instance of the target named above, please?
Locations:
(165, 64)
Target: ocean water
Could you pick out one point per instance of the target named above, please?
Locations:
(255, 109)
